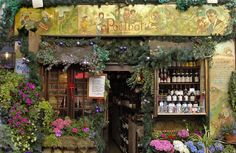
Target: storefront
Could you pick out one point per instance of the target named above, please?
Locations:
(146, 73)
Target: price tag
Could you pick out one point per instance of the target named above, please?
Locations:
(191, 90)
(37, 3)
(212, 1)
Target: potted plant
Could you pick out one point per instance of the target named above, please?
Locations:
(229, 132)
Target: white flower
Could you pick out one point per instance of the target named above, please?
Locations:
(179, 146)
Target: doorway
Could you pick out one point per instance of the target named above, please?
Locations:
(124, 104)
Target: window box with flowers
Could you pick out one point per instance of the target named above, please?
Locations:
(70, 136)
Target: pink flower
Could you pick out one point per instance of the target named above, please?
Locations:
(75, 130)
(163, 135)
(162, 146)
(28, 101)
(183, 134)
(67, 122)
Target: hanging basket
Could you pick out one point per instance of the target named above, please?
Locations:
(230, 138)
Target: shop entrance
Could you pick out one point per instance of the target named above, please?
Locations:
(124, 105)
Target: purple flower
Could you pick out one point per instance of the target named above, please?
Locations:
(28, 101)
(86, 129)
(30, 85)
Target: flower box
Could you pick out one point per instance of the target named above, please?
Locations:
(230, 138)
(70, 144)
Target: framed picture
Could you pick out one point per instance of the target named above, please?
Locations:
(96, 87)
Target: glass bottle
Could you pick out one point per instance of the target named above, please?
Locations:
(164, 75)
(168, 98)
(186, 77)
(186, 94)
(192, 97)
(178, 76)
(184, 107)
(161, 105)
(161, 76)
(196, 77)
(174, 96)
(171, 107)
(182, 77)
(168, 77)
(178, 107)
(190, 76)
(173, 76)
(165, 107)
(190, 105)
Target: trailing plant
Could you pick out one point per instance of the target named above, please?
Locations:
(232, 92)
(8, 82)
(148, 124)
(32, 60)
(46, 116)
(5, 139)
(98, 122)
(46, 54)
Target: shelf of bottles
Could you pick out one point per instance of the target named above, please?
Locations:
(179, 90)
(124, 135)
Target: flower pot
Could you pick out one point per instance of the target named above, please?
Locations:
(230, 138)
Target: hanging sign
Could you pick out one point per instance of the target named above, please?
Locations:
(37, 3)
(96, 86)
(21, 67)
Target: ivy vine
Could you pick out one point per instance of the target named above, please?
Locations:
(232, 92)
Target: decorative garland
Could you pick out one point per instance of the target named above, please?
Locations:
(93, 62)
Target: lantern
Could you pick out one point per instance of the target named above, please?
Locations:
(7, 57)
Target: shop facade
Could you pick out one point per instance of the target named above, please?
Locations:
(146, 72)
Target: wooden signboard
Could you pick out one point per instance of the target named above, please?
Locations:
(96, 87)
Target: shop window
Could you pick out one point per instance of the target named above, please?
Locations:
(67, 92)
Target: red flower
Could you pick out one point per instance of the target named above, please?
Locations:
(75, 130)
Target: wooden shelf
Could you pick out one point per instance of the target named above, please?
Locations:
(181, 114)
(184, 67)
(179, 83)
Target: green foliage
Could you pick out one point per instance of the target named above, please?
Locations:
(33, 63)
(98, 123)
(46, 54)
(148, 124)
(8, 82)
(46, 115)
(51, 140)
(206, 139)
(183, 5)
(232, 91)
(5, 138)
(228, 129)
(143, 77)
(98, 59)
(229, 149)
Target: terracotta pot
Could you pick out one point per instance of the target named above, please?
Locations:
(230, 138)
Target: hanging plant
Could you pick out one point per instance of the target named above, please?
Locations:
(232, 92)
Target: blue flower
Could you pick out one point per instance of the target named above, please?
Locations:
(200, 146)
(200, 151)
(219, 146)
(212, 149)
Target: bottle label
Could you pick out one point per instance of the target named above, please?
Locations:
(168, 98)
(174, 98)
(180, 98)
(196, 79)
(174, 79)
(186, 98)
(192, 98)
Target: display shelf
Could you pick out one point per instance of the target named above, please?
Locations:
(184, 67)
(181, 114)
(179, 83)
